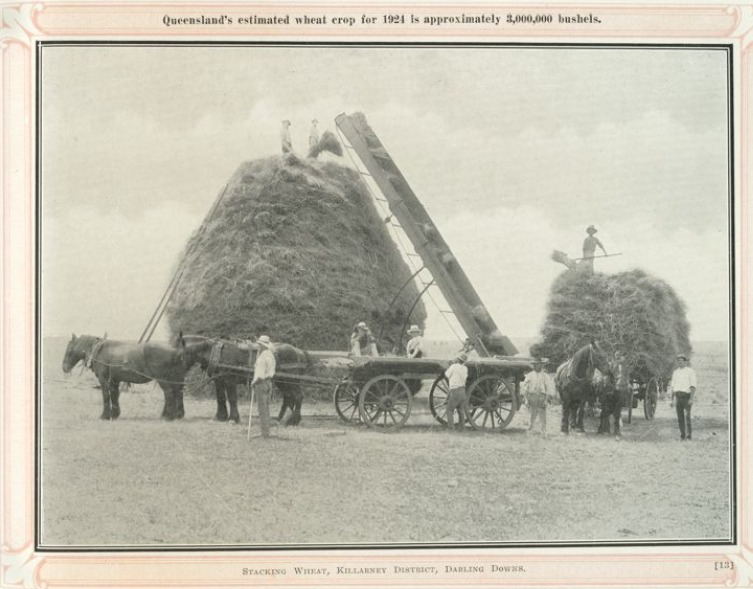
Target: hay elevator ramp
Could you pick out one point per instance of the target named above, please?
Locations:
(426, 239)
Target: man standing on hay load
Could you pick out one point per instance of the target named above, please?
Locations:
(287, 144)
(682, 386)
(537, 388)
(264, 370)
(313, 134)
(589, 249)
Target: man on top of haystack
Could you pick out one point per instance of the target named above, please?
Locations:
(287, 144)
(313, 134)
(589, 249)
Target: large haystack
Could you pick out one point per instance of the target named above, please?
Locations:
(633, 311)
(297, 250)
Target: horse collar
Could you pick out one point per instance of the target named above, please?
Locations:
(91, 355)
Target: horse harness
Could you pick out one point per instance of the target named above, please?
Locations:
(570, 371)
(91, 355)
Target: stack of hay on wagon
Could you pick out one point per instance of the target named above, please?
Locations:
(632, 311)
(297, 250)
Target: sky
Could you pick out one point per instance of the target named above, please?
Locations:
(512, 151)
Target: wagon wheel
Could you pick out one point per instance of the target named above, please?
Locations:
(385, 401)
(346, 401)
(650, 399)
(491, 402)
(440, 390)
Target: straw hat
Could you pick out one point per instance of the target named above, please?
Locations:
(414, 329)
(591, 229)
(361, 324)
(264, 341)
(462, 357)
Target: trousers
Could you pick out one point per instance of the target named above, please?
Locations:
(683, 406)
(537, 405)
(262, 391)
(456, 399)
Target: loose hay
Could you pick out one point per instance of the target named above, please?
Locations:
(297, 250)
(328, 142)
(632, 311)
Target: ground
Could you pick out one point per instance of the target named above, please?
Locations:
(143, 481)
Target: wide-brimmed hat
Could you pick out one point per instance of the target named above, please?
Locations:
(361, 324)
(462, 356)
(414, 329)
(682, 357)
(591, 229)
(264, 341)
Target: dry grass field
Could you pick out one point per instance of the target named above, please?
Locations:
(140, 481)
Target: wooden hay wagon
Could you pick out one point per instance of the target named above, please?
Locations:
(379, 391)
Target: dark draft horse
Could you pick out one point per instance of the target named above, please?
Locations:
(574, 381)
(113, 362)
(229, 363)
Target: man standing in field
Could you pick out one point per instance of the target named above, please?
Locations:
(264, 370)
(537, 388)
(457, 374)
(589, 250)
(682, 387)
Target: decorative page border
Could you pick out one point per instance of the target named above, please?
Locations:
(23, 25)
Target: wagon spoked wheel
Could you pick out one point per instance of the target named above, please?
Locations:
(346, 401)
(491, 403)
(440, 390)
(385, 401)
(650, 399)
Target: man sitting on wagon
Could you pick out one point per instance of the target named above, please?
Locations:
(362, 341)
(415, 346)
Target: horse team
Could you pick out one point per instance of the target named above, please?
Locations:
(228, 363)
(225, 362)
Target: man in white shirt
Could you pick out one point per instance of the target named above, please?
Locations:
(414, 347)
(682, 386)
(537, 388)
(264, 370)
(456, 375)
